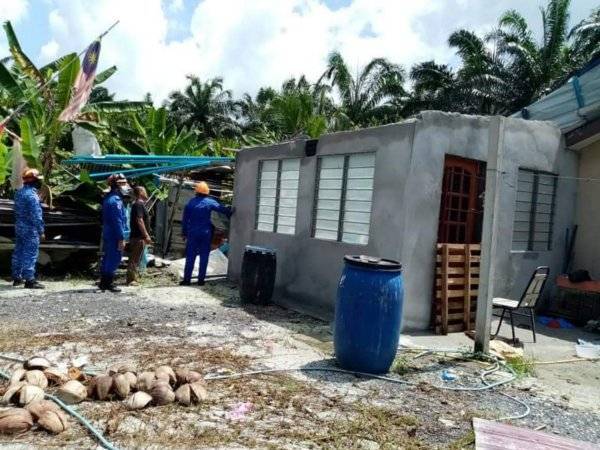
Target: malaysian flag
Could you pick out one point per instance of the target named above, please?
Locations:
(83, 84)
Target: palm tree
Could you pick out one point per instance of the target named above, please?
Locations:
(537, 67)
(585, 38)
(432, 88)
(299, 108)
(206, 107)
(366, 99)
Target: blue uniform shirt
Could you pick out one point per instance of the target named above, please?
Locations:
(196, 215)
(28, 210)
(114, 220)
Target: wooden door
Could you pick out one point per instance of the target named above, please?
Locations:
(461, 209)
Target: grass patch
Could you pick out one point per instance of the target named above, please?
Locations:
(465, 442)
(523, 366)
(401, 365)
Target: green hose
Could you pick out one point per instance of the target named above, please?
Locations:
(82, 420)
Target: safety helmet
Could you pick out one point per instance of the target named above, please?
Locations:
(202, 188)
(116, 179)
(30, 175)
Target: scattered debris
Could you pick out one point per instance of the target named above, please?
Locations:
(239, 411)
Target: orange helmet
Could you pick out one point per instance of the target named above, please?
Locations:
(202, 188)
(30, 175)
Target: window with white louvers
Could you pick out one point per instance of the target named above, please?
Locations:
(277, 195)
(344, 198)
(534, 212)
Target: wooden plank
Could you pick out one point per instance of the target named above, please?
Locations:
(456, 293)
(457, 318)
(444, 291)
(459, 271)
(452, 258)
(490, 435)
(461, 247)
(467, 297)
(460, 281)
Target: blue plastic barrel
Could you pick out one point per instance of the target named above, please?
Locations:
(368, 313)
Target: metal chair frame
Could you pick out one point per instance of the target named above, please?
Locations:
(528, 300)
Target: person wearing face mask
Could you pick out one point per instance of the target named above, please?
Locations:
(29, 230)
(114, 224)
(139, 235)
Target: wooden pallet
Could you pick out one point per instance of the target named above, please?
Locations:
(456, 287)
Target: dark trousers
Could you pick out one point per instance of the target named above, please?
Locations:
(197, 244)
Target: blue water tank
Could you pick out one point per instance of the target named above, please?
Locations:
(368, 312)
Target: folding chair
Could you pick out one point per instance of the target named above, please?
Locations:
(526, 303)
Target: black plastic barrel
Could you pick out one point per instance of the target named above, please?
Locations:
(258, 275)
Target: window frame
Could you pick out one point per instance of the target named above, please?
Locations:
(343, 197)
(277, 197)
(531, 231)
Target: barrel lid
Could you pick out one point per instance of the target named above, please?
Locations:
(373, 262)
(256, 249)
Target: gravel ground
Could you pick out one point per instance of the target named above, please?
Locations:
(207, 329)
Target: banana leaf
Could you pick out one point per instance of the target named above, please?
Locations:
(20, 58)
(69, 70)
(29, 144)
(8, 82)
(5, 162)
(105, 75)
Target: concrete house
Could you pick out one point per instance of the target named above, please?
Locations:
(395, 191)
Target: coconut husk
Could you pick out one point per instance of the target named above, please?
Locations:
(72, 392)
(37, 408)
(53, 421)
(138, 400)
(30, 393)
(166, 373)
(104, 385)
(37, 362)
(121, 386)
(162, 394)
(15, 421)
(37, 378)
(183, 395)
(55, 376)
(10, 396)
(145, 381)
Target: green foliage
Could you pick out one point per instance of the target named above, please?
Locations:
(29, 144)
(5, 162)
(522, 366)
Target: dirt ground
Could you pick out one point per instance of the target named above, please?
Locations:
(207, 329)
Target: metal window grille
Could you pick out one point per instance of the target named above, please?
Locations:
(344, 192)
(277, 195)
(534, 212)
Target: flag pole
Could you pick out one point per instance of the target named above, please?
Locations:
(54, 75)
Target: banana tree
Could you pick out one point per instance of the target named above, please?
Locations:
(34, 98)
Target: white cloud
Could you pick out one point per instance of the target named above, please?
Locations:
(49, 51)
(259, 42)
(15, 11)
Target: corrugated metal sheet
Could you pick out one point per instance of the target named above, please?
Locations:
(573, 104)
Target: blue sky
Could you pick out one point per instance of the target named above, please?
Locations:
(251, 43)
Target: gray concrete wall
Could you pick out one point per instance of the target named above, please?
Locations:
(406, 200)
(587, 244)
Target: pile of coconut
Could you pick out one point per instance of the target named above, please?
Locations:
(27, 387)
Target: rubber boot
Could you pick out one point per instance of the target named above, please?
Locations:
(33, 284)
(18, 282)
(111, 286)
(103, 285)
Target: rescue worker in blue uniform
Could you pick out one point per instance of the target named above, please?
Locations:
(114, 224)
(29, 230)
(197, 230)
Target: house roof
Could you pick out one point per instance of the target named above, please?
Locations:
(574, 104)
